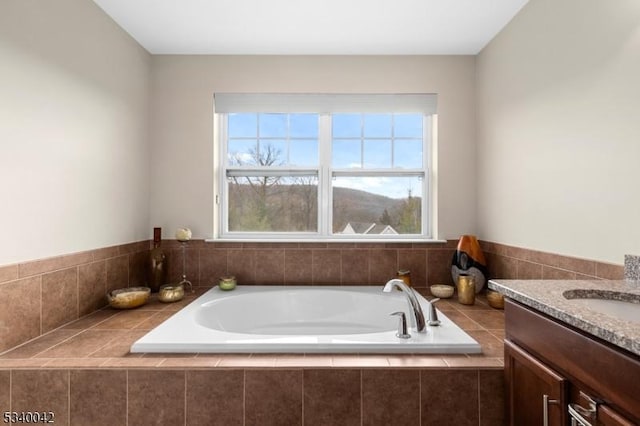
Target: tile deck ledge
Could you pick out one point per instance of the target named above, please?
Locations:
(102, 340)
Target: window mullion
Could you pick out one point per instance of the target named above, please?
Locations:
(324, 194)
(223, 205)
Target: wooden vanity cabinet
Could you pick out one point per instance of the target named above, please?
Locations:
(536, 395)
(549, 365)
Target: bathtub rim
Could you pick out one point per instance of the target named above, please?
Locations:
(419, 344)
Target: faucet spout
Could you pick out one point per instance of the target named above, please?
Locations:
(411, 299)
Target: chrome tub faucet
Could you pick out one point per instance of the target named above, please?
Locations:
(411, 299)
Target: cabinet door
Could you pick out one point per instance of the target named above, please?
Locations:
(536, 394)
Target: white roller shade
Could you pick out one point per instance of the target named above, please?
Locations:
(325, 103)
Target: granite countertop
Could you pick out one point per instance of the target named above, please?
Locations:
(547, 296)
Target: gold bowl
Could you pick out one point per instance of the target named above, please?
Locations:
(171, 293)
(127, 298)
(495, 299)
(442, 291)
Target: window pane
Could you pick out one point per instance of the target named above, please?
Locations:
(303, 125)
(346, 154)
(243, 125)
(407, 125)
(346, 125)
(376, 205)
(272, 153)
(303, 152)
(407, 153)
(273, 125)
(377, 154)
(242, 152)
(377, 125)
(273, 204)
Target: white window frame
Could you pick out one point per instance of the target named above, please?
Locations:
(325, 174)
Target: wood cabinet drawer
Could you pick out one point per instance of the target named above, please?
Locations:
(605, 372)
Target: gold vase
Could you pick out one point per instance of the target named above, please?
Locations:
(466, 289)
(468, 259)
(157, 263)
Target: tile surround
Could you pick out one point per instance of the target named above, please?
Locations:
(257, 396)
(311, 263)
(332, 397)
(241, 388)
(92, 286)
(391, 397)
(98, 397)
(457, 403)
(93, 349)
(59, 298)
(508, 262)
(20, 318)
(273, 397)
(5, 390)
(215, 398)
(42, 295)
(156, 397)
(492, 408)
(42, 391)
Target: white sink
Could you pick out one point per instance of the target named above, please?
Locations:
(619, 305)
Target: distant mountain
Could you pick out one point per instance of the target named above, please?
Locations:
(353, 205)
(293, 207)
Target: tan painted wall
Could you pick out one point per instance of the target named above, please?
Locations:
(182, 122)
(73, 130)
(558, 94)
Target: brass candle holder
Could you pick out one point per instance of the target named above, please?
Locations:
(466, 289)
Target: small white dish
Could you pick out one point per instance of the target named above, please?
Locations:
(442, 291)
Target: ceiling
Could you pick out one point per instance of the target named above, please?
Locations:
(312, 27)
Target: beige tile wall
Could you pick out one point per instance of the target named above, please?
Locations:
(367, 264)
(310, 263)
(346, 396)
(510, 262)
(41, 295)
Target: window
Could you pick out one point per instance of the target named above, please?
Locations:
(332, 166)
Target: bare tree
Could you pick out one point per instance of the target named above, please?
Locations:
(261, 186)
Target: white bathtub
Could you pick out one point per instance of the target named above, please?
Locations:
(300, 319)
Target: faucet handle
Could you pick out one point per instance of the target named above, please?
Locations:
(402, 325)
(433, 314)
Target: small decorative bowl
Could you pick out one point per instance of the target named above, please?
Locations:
(171, 293)
(442, 291)
(227, 283)
(128, 298)
(495, 299)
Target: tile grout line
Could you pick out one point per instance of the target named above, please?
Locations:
(479, 404)
(420, 397)
(78, 293)
(41, 303)
(69, 396)
(185, 397)
(361, 400)
(126, 408)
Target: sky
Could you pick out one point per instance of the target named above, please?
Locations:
(358, 141)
